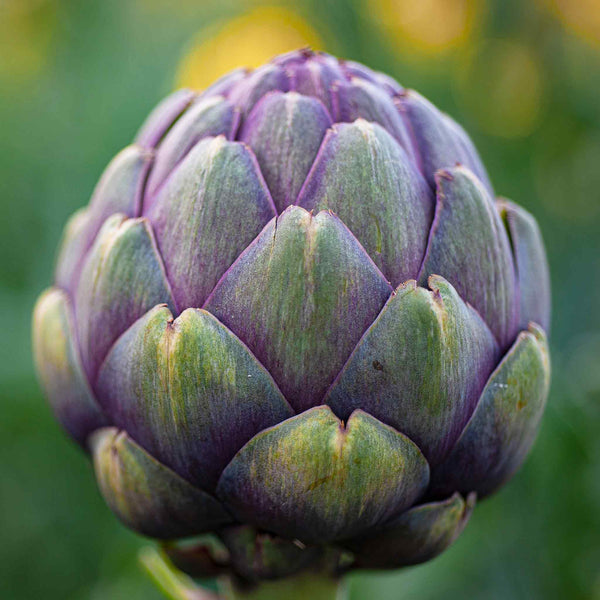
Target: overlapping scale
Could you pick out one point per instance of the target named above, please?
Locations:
(300, 297)
(59, 366)
(504, 425)
(188, 391)
(533, 275)
(207, 213)
(367, 179)
(416, 536)
(315, 479)
(251, 89)
(420, 367)
(315, 76)
(469, 247)
(285, 131)
(122, 278)
(441, 143)
(160, 120)
(119, 190)
(146, 495)
(359, 99)
(225, 84)
(207, 117)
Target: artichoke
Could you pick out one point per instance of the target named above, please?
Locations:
(294, 315)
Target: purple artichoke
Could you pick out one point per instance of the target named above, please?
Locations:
(294, 315)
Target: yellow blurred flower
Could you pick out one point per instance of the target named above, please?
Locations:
(248, 40)
(501, 86)
(582, 17)
(26, 28)
(426, 27)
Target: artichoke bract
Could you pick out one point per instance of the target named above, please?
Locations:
(294, 315)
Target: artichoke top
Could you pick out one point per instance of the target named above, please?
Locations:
(293, 310)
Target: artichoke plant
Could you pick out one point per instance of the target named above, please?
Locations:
(294, 316)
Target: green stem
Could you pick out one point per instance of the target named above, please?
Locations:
(172, 583)
(308, 585)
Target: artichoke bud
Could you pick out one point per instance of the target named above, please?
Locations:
(294, 317)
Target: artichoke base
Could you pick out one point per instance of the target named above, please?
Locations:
(316, 584)
(309, 584)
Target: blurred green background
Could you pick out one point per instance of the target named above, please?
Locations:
(76, 79)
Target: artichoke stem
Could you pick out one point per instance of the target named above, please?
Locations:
(309, 585)
(174, 584)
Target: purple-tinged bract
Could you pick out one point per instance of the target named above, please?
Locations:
(295, 316)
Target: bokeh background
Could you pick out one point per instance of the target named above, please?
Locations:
(76, 79)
